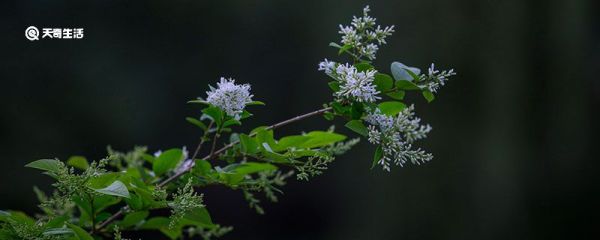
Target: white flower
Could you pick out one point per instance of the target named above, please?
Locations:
(434, 79)
(229, 97)
(356, 85)
(362, 35)
(327, 66)
(395, 135)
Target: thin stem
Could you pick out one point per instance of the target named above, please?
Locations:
(215, 153)
(214, 143)
(202, 140)
(93, 212)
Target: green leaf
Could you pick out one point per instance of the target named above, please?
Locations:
(132, 219)
(334, 85)
(344, 48)
(256, 103)
(357, 110)
(167, 161)
(358, 127)
(202, 168)
(50, 165)
(377, 156)
(249, 145)
(214, 113)
(265, 136)
(199, 101)
(78, 162)
(339, 108)
(328, 116)
(102, 202)
(57, 231)
(197, 122)
(103, 180)
(156, 223)
(231, 122)
(135, 201)
(253, 167)
(428, 95)
(398, 95)
(383, 82)
(79, 232)
(290, 141)
(363, 66)
(117, 188)
(399, 71)
(335, 45)
(321, 138)
(391, 108)
(406, 85)
(199, 217)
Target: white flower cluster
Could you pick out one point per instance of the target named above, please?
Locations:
(230, 97)
(395, 135)
(434, 79)
(363, 36)
(354, 85)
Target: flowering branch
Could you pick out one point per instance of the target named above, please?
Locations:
(217, 152)
(370, 101)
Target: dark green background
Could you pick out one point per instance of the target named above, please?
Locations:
(513, 132)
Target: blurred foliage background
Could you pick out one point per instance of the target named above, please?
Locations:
(513, 132)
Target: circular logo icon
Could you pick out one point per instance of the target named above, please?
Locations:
(32, 33)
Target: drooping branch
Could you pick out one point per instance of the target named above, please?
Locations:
(210, 156)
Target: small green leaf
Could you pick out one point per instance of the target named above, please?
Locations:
(78, 162)
(231, 122)
(253, 167)
(377, 156)
(199, 101)
(363, 66)
(357, 110)
(197, 122)
(245, 114)
(57, 231)
(117, 188)
(256, 103)
(428, 95)
(406, 85)
(79, 232)
(202, 168)
(383, 82)
(249, 145)
(398, 95)
(214, 113)
(200, 217)
(102, 180)
(334, 85)
(328, 116)
(290, 141)
(391, 108)
(399, 71)
(50, 165)
(358, 127)
(335, 45)
(132, 219)
(344, 48)
(156, 223)
(167, 161)
(321, 138)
